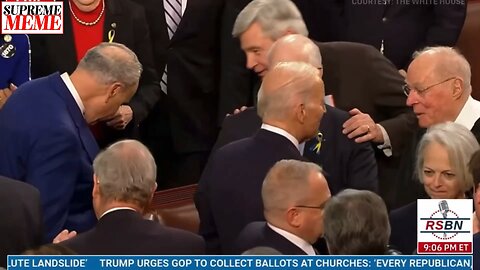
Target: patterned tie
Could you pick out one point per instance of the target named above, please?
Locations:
(173, 16)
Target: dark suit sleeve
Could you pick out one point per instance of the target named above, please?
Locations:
(149, 90)
(389, 99)
(207, 228)
(52, 167)
(236, 81)
(447, 25)
(362, 167)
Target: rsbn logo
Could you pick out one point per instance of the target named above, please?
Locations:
(444, 226)
(32, 17)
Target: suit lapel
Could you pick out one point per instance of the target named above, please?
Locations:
(476, 129)
(112, 19)
(88, 141)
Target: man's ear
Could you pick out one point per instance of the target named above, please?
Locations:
(96, 185)
(301, 112)
(293, 217)
(457, 88)
(113, 90)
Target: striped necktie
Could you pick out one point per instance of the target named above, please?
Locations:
(173, 16)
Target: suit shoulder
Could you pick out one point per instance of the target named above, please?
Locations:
(337, 114)
(400, 213)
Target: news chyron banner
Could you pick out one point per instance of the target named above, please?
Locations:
(32, 17)
(425, 262)
(445, 226)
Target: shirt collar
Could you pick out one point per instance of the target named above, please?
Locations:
(68, 82)
(282, 132)
(116, 209)
(297, 241)
(469, 113)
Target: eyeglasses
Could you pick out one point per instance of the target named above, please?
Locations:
(407, 90)
(313, 207)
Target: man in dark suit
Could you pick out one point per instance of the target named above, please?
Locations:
(293, 194)
(345, 163)
(45, 139)
(85, 26)
(123, 187)
(398, 28)
(182, 128)
(228, 197)
(21, 227)
(357, 79)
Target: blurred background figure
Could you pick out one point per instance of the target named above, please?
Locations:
(399, 28)
(474, 167)
(14, 64)
(441, 166)
(22, 225)
(356, 223)
(45, 139)
(124, 182)
(294, 194)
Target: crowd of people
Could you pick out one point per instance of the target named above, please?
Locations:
(298, 145)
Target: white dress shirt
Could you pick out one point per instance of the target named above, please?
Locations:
(73, 91)
(297, 241)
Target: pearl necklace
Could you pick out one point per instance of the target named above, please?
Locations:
(87, 23)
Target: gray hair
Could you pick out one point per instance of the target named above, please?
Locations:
(460, 144)
(356, 223)
(295, 48)
(274, 16)
(454, 64)
(286, 184)
(296, 84)
(112, 62)
(262, 250)
(127, 172)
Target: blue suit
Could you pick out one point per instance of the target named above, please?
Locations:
(46, 142)
(15, 69)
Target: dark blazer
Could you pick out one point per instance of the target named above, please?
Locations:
(46, 142)
(15, 67)
(21, 227)
(258, 234)
(476, 253)
(126, 232)
(193, 59)
(229, 191)
(51, 53)
(346, 164)
(403, 223)
(404, 28)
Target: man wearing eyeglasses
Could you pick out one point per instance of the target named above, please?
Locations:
(294, 194)
(438, 89)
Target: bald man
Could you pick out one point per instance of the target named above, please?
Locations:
(228, 198)
(346, 164)
(294, 194)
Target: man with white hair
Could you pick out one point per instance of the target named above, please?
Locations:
(124, 182)
(438, 89)
(290, 103)
(346, 163)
